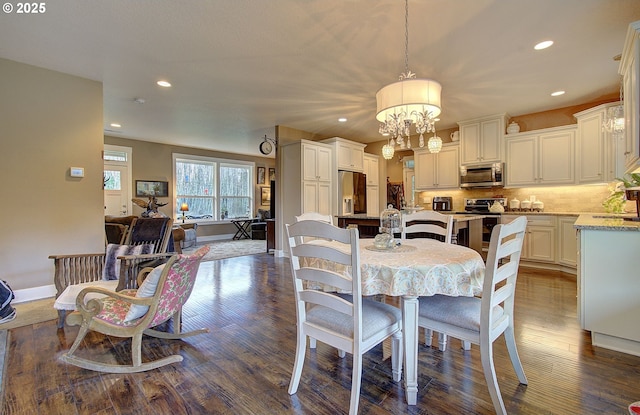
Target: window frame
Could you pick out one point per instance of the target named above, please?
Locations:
(217, 164)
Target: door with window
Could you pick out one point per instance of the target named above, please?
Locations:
(117, 181)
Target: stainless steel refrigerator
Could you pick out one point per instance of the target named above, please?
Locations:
(352, 191)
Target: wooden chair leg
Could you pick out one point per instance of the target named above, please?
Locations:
(356, 381)
(428, 337)
(397, 351)
(442, 342)
(301, 348)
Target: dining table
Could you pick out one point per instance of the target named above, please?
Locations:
(414, 268)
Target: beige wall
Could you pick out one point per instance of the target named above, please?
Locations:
(154, 161)
(49, 122)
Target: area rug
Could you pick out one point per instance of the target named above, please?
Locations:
(230, 249)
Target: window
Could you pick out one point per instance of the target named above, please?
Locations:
(213, 189)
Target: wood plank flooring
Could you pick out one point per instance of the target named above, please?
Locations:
(243, 365)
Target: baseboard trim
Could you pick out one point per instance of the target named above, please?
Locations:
(35, 293)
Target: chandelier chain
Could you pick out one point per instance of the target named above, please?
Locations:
(406, 37)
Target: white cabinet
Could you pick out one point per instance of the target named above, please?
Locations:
(316, 163)
(371, 169)
(349, 154)
(608, 289)
(373, 201)
(542, 157)
(307, 179)
(540, 238)
(630, 71)
(437, 170)
(595, 148)
(481, 140)
(567, 241)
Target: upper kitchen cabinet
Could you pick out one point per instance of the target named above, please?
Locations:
(630, 71)
(349, 154)
(481, 139)
(371, 169)
(541, 157)
(437, 170)
(596, 149)
(307, 178)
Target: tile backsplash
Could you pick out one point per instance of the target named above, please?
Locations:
(584, 198)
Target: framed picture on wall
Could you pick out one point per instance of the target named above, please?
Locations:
(265, 196)
(261, 175)
(148, 188)
(272, 174)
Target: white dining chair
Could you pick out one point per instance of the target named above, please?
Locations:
(430, 223)
(314, 216)
(434, 225)
(348, 323)
(482, 320)
(322, 218)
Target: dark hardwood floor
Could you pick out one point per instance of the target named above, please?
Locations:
(243, 365)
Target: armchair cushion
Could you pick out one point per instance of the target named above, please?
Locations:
(146, 289)
(111, 270)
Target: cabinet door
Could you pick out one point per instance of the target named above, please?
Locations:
(522, 161)
(448, 171)
(590, 156)
(631, 104)
(470, 143)
(323, 163)
(309, 196)
(568, 241)
(373, 201)
(324, 198)
(309, 165)
(557, 154)
(491, 141)
(425, 169)
(371, 170)
(350, 157)
(540, 243)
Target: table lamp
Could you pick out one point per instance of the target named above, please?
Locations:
(183, 208)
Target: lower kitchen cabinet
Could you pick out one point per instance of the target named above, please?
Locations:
(567, 241)
(549, 242)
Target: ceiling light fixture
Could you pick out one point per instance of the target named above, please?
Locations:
(408, 101)
(115, 125)
(543, 45)
(557, 93)
(164, 84)
(342, 119)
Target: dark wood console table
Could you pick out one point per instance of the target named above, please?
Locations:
(271, 234)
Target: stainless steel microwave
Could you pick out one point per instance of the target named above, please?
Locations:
(486, 175)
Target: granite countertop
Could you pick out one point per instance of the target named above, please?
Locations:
(606, 222)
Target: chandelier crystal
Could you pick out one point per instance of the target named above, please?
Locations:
(614, 117)
(408, 101)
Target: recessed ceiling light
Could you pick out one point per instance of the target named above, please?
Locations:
(115, 124)
(342, 119)
(557, 93)
(543, 45)
(165, 84)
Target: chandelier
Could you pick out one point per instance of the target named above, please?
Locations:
(614, 118)
(408, 101)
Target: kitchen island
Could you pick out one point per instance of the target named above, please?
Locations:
(609, 281)
(467, 228)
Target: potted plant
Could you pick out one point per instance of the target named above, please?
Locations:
(631, 184)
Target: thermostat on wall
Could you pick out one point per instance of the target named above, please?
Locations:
(76, 171)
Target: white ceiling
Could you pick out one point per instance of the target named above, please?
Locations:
(240, 67)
